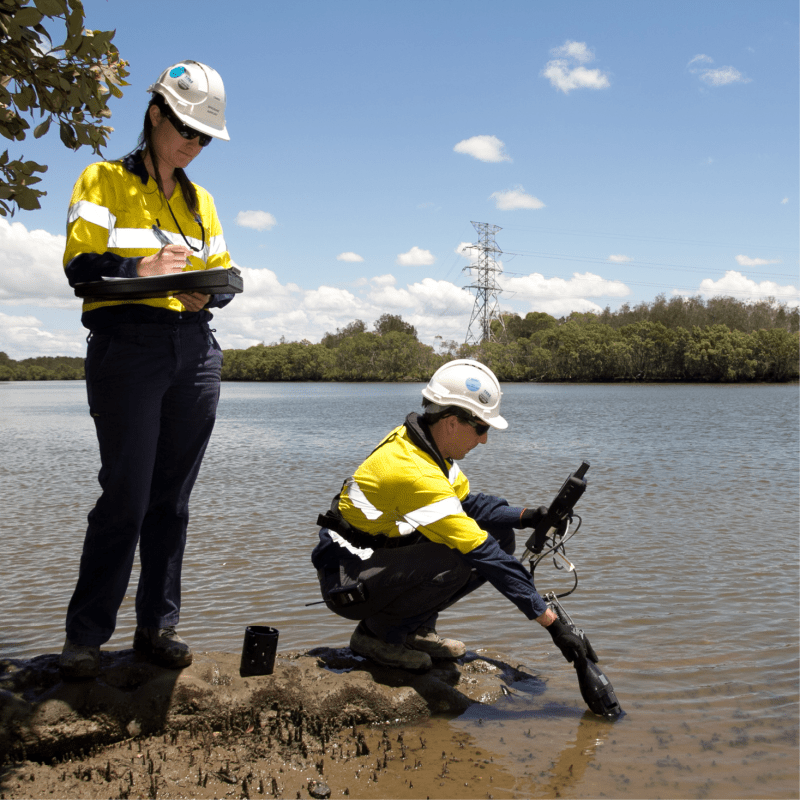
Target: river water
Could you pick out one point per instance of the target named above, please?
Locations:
(687, 557)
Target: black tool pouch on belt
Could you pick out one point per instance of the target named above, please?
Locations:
(334, 521)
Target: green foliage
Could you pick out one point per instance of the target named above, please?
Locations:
(42, 368)
(392, 323)
(648, 343)
(357, 356)
(332, 340)
(583, 347)
(69, 83)
(691, 312)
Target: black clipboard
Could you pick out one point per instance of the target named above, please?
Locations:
(208, 281)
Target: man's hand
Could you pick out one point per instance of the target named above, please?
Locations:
(531, 517)
(573, 647)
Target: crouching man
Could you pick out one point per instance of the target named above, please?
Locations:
(406, 538)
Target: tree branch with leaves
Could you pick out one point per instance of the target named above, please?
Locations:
(69, 83)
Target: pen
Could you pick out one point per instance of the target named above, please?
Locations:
(160, 235)
(162, 238)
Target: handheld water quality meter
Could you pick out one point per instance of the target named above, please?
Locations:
(560, 509)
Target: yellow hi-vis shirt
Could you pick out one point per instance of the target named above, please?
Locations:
(111, 210)
(400, 489)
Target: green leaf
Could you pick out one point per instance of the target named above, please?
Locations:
(41, 130)
(68, 136)
(27, 17)
(51, 8)
(75, 22)
(27, 199)
(29, 167)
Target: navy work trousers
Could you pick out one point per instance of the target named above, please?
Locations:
(407, 587)
(153, 392)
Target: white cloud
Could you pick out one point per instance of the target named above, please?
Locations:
(33, 269)
(26, 336)
(464, 249)
(723, 76)
(566, 72)
(702, 58)
(263, 294)
(484, 148)
(329, 298)
(560, 297)
(416, 257)
(349, 256)
(576, 51)
(700, 66)
(743, 288)
(391, 298)
(746, 261)
(537, 287)
(619, 259)
(514, 199)
(257, 220)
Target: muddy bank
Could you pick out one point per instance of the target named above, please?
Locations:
(325, 720)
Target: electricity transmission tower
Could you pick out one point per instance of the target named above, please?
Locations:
(485, 284)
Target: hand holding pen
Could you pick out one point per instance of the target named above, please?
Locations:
(170, 258)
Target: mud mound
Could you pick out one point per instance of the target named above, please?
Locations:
(310, 698)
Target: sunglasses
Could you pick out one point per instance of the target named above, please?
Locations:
(479, 427)
(184, 130)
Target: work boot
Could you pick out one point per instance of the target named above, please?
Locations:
(427, 640)
(368, 645)
(79, 662)
(162, 646)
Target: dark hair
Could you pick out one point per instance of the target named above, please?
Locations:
(146, 143)
(432, 417)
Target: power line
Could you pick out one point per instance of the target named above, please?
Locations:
(635, 237)
(633, 263)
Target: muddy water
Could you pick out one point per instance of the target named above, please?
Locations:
(687, 560)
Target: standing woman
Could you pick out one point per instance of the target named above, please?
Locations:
(152, 367)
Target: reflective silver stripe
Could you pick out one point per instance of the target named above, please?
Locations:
(404, 529)
(359, 500)
(362, 552)
(134, 239)
(455, 471)
(144, 239)
(91, 212)
(427, 515)
(215, 246)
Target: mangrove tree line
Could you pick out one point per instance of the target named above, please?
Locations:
(683, 339)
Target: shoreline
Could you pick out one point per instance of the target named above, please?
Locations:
(325, 718)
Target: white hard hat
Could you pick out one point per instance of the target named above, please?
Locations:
(470, 385)
(196, 94)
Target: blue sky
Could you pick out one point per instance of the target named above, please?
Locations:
(626, 149)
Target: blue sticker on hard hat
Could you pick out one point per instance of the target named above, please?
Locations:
(176, 72)
(485, 397)
(473, 384)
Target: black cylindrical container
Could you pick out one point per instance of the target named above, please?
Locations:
(258, 651)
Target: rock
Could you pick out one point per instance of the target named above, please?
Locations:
(318, 789)
(310, 694)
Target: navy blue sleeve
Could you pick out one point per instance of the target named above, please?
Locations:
(96, 266)
(491, 512)
(508, 576)
(219, 300)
